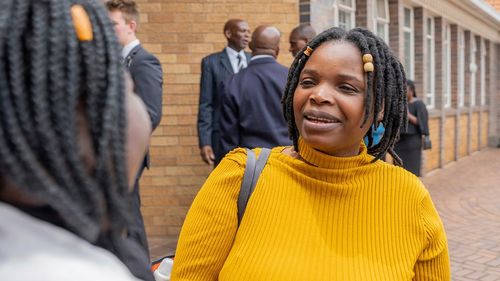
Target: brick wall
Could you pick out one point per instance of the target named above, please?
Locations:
(463, 139)
(449, 139)
(395, 29)
(180, 34)
(418, 22)
(474, 132)
(484, 129)
(431, 156)
(361, 13)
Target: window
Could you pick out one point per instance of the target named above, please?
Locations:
(408, 43)
(461, 68)
(382, 19)
(447, 66)
(345, 10)
(473, 70)
(430, 65)
(483, 72)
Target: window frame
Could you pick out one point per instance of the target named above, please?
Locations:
(430, 91)
(446, 65)
(472, 69)
(385, 21)
(482, 73)
(411, 31)
(338, 7)
(461, 68)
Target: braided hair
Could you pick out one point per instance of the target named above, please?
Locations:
(385, 88)
(46, 73)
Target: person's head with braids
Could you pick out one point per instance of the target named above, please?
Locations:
(66, 117)
(340, 85)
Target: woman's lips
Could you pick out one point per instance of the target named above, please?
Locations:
(320, 121)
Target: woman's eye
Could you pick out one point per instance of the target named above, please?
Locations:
(348, 89)
(306, 83)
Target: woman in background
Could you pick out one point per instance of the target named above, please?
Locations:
(409, 146)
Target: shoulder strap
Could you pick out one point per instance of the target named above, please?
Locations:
(250, 177)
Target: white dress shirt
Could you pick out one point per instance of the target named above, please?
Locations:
(126, 50)
(233, 58)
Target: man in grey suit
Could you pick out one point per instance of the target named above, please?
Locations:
(215, 69)
(147, 75)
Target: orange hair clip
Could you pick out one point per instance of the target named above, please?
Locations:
(81, 22)
(308, 51)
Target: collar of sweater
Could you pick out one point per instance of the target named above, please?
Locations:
(323, 160)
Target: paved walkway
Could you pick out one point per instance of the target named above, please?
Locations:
(467, 196)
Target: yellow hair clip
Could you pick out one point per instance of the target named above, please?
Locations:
(308, 51)
(81, 22)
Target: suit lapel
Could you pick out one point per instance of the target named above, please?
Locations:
(130, 56)
(224, 60)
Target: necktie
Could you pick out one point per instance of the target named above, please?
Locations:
(240, 63)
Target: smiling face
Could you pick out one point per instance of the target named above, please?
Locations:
(328, 103)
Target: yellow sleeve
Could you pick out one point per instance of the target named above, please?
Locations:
(208, 232)
(433, 264)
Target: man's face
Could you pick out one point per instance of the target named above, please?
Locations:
(123, 30)
(238, 35)
(296, 43)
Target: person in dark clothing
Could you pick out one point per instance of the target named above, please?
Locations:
(72, 137)
(409, 146)
(146, 72)
(300, 36)
(251, 114)
(215, 69)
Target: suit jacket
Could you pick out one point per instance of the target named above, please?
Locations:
(251, 111)
(147, 75)
(215, 69)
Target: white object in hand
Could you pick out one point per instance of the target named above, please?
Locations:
(162, 273)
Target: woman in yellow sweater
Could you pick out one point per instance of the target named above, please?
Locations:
(326, 208)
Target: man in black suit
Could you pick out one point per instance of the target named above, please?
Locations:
(147, 75)
(251, 111)
(215, 69)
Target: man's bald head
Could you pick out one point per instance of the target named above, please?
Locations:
(300, 36)
(265, 41)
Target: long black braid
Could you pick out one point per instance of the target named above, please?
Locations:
(45, 74)
(385, 88)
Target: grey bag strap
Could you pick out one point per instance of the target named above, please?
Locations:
(250, 177)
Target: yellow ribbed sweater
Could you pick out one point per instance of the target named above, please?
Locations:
(336, 218)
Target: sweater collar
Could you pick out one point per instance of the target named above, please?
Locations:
(323, 160)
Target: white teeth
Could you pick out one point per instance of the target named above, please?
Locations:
(317, 119)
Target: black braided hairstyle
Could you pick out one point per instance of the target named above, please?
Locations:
(385, 87)
(45, 74)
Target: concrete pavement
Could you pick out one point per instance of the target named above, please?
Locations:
(467, 196)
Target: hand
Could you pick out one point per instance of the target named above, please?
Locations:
(207, 154)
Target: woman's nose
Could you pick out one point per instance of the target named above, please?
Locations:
(322, 95)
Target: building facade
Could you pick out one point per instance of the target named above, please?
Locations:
(451, 48)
